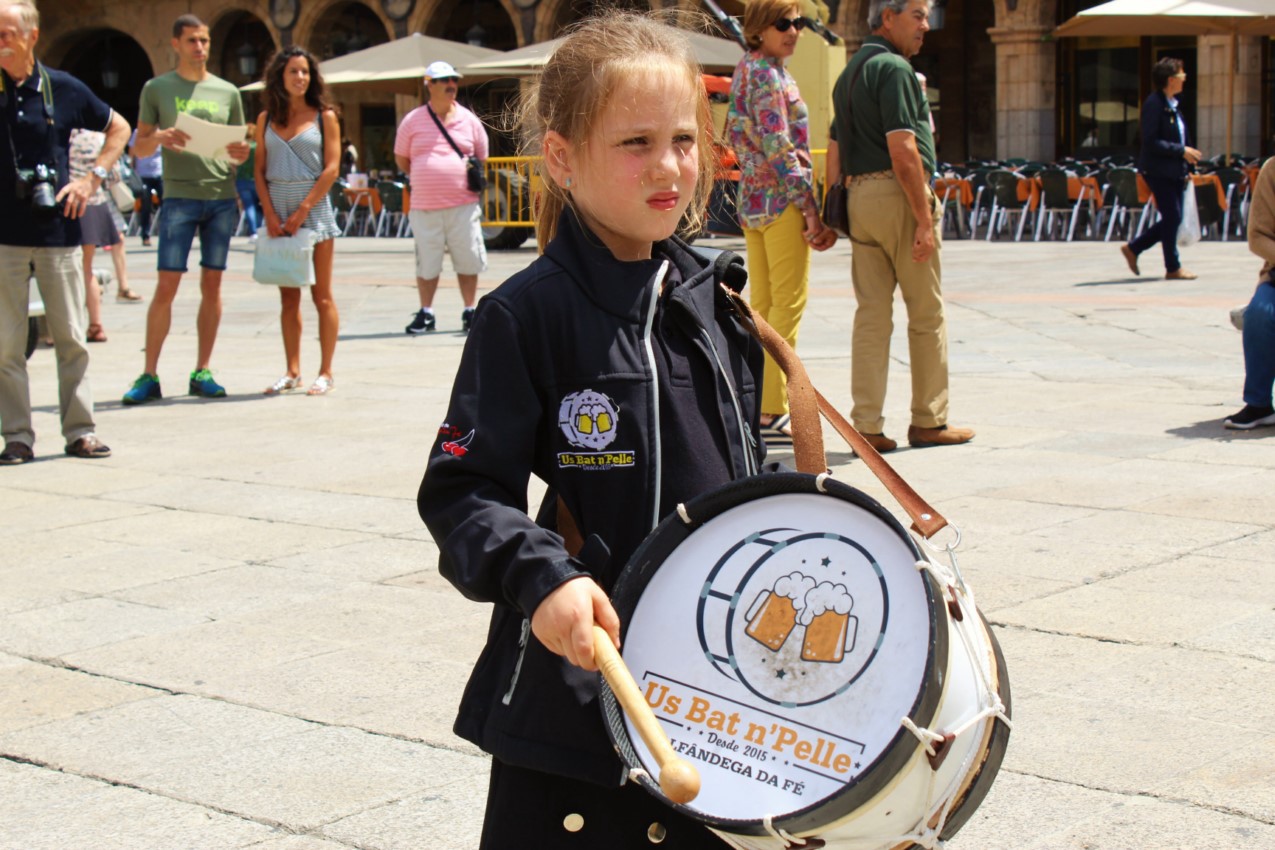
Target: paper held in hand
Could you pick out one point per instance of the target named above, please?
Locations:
(208, 139)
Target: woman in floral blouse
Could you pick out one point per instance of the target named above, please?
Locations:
(767, 125)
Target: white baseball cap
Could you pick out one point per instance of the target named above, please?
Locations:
(439, 69)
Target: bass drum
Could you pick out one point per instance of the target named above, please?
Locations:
(825, 677)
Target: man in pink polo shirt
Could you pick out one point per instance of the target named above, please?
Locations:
(445, 214)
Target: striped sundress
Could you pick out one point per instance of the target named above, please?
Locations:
(292, 167)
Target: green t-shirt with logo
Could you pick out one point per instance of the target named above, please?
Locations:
(212, 99)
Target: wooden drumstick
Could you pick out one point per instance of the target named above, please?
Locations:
(679, 780)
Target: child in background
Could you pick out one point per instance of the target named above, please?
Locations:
(613, 369)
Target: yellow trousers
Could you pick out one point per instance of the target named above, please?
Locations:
(882, 229)
(778, 277)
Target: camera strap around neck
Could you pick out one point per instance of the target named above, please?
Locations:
(46, 95)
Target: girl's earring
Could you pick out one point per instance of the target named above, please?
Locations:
(567, 183)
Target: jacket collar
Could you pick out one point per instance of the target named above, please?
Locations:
(1164, 99)
(620, 288)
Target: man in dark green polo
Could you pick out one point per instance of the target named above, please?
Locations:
(881, 140)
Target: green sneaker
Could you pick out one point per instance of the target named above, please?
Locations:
(202, 383)
(144, 389)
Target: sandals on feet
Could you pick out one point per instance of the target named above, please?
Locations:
(95, 333)
(283, 385)
(322, 386)
(128, 296)
(779, 431)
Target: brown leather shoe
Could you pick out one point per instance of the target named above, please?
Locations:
(1130, 258)
(88, 446)
(944, 435)
(881, 443)
(16, 453)
(1181, 274)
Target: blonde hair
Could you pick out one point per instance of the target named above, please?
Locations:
(599, 56)
(760, 14)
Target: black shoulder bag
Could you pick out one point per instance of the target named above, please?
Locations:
(836, 199)
(475, 177)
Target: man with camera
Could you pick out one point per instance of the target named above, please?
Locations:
(40, 207)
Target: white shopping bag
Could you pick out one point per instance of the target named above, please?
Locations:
(285, 260)
(1189, 229)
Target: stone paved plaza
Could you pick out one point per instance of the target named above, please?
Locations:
(232, 633)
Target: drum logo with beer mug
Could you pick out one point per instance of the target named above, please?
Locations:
(795, 617)
(785, 637)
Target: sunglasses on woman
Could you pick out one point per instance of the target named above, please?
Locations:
(784, 24)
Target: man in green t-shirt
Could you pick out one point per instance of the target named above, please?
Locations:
(883, 142)
(199, 195)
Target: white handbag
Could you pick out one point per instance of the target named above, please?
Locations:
(122, 195)
(285, 260)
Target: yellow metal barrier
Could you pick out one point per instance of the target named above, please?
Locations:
(510, 187)
(512, 184)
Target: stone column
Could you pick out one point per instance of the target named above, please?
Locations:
(1212, 82)
(1026, 62)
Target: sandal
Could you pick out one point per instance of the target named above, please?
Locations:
(322, 386)
(95, 334)
(88, 447)
(283, 385)
(128, 296)
(779, 431)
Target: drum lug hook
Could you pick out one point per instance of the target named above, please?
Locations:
(941, 749)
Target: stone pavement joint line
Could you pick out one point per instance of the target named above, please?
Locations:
(233, 633)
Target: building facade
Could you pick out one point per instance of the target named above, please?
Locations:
(1002, 85)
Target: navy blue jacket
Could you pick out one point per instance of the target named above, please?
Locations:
(557, 380)
(1162, 143)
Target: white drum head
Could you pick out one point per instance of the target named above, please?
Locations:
(780, 639)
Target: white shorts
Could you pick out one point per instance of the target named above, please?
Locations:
(456, 229)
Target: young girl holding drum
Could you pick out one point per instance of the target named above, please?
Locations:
(612, 369)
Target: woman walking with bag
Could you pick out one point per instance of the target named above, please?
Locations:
(1165, 161)
(768, 126)
(298, 157)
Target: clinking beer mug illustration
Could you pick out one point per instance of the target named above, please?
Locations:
(822, 609)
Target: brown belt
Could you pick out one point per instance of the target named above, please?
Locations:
(872, 175)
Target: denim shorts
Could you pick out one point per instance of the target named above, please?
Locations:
(179, 218)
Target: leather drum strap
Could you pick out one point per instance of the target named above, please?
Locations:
(807, 403)
(572, 541)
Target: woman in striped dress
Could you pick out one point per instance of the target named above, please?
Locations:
(298, 156)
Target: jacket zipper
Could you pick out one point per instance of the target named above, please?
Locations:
(522, 651)
(745, 436)
(655, 388)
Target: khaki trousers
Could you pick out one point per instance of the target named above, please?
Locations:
(778, 280)
(61, 285)
(882, 228)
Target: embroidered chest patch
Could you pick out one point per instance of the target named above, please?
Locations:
(590, 420)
